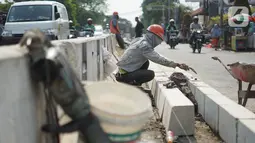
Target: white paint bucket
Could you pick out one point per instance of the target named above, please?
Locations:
(122, 109)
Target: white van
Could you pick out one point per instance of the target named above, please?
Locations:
(49, 16)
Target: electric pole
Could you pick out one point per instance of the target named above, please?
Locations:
(221, 13)
(169, 10)
(163, 14)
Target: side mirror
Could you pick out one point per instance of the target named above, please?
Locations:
(57, 15)
(70, 21)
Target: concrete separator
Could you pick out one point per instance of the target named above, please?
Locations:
(234, 123)
(175, 109)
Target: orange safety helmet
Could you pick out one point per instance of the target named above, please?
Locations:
(115, 13)
(156, 29)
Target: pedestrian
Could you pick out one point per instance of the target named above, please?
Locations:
(114, 28)
(138, 28)
(133, 65)
(215, 34)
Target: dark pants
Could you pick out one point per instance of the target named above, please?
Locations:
(192, 37)
(120, 41)
(138, 34)
(168, 38)
(137, 77)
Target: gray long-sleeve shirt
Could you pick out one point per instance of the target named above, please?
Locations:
(141, 50)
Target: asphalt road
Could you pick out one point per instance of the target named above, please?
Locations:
(210, 71)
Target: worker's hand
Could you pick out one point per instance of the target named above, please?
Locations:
(183, 66)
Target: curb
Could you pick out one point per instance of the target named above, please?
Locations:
(175, 109)
(233, 122)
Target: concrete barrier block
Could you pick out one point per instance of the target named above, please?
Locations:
(178, 115)
(213, 99)
(154, 84)
(246, 131)
(229, 115)
(154, 66)
(160, 74)
(193, 84)
(200, 98)
(160, 99)
(150, 84)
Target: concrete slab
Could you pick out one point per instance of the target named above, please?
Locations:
(193, 84)
(229, 115)
(246, 131)
(200, 98)
(178, 115)
(212, 102)
(155, 82)
(160, 100)
(160, 74)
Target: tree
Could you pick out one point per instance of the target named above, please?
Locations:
(155, 16)
(4, 7)
(187, 19)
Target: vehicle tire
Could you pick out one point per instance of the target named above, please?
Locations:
(199, 50)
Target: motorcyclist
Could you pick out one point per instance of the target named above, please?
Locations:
(90, 25)
(133, 65)
(194, 26)
(170, 28)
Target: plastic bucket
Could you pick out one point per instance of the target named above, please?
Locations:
(122, 109)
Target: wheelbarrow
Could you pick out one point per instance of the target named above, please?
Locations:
(242, 72)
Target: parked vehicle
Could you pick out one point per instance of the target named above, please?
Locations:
(49, 16)
(198, 41)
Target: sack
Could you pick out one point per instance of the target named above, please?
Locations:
(109, 63)
(106, 54)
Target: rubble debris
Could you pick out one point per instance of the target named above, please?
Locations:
(179, 80)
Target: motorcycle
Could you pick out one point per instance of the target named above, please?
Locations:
(73, 34)
(198, 41)
(173, 40)
(88, 32)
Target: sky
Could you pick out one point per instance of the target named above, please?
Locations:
(129, 9)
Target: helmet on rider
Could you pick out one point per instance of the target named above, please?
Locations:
(171, 21)
(157, 30)
(116, 14)
(195, 19)
(89, 20)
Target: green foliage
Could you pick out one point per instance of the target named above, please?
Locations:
(187, 19)
(4, 7)
(155, 16)
(216, 20)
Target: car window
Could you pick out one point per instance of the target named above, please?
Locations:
(26, 13)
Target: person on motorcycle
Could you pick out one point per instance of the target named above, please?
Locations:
(133, 65)
(194, 26)
(170, 28)
(90, 25)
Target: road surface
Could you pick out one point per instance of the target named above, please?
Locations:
(210, 71)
